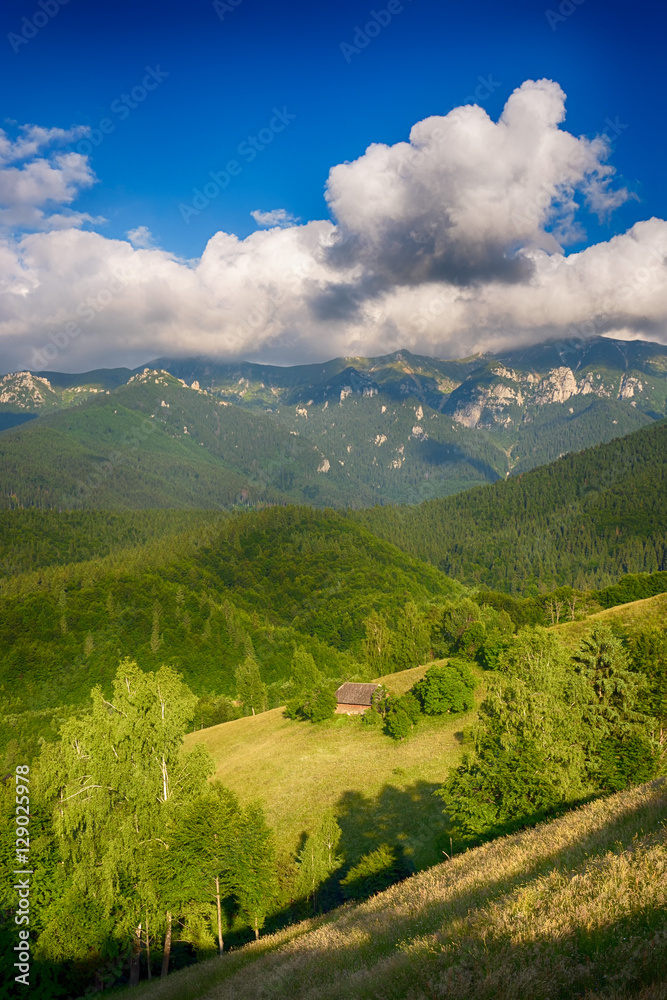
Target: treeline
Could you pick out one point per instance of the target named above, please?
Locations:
(556, 729)
(32, 539)
(582, 521)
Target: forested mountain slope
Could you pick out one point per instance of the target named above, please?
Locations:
(582, 521)
(156, 442)
(349, 432)
(251, 585)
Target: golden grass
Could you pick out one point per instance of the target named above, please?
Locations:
(400, 682)
(380, 789)
(572, 908)
(651, 611)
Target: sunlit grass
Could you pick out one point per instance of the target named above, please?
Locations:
(651, 611)
(572, 908)
(381, 790)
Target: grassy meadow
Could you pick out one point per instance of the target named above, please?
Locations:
(572, 908)
(381, 789)
(647, 613)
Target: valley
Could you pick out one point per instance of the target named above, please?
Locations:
(160, 588)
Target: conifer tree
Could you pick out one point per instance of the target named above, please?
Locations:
(250, 690)
(304, 673)
(255, 867)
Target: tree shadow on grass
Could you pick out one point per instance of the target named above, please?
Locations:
(410, 820)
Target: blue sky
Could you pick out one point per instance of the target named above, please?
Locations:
(226, 75)
(501, 227)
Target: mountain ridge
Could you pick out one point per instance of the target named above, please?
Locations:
(400, 428)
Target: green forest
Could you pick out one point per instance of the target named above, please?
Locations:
(581, 521)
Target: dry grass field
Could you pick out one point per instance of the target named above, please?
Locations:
(572, 908)
(381, 790)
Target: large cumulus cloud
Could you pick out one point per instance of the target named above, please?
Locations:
(452, 242)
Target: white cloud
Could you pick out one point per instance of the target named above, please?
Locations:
(276, 217)
(34, 139)
(33, 182)
(447, 244)
(141, 238)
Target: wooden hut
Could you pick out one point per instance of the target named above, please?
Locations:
(354, 699)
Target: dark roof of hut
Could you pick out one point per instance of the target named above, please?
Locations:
(355, 694)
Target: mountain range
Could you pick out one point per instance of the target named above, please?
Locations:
(349, 432)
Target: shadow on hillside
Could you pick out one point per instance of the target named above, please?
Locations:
(440, 453)
(409, 820)
(394, 817)
(644, 817)
(551, 962)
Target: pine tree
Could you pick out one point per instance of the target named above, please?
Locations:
(250, 690)
(255, 867)
(621, 747)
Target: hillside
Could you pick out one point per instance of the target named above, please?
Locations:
(201, 598)
(401, 428)
(156, 442)
(651, 612)
(574, 907)
(381, 789)
(582, 521)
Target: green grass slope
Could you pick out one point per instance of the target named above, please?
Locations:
(381, 790)
(583, 520)
(651, 612)
(572, 908)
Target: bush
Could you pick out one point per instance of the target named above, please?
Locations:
(371, 717)
(463, 669)
(211, 710)
(398, 723)
(318, 705)
(443, 689)
(321, 705)
(410, 705)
